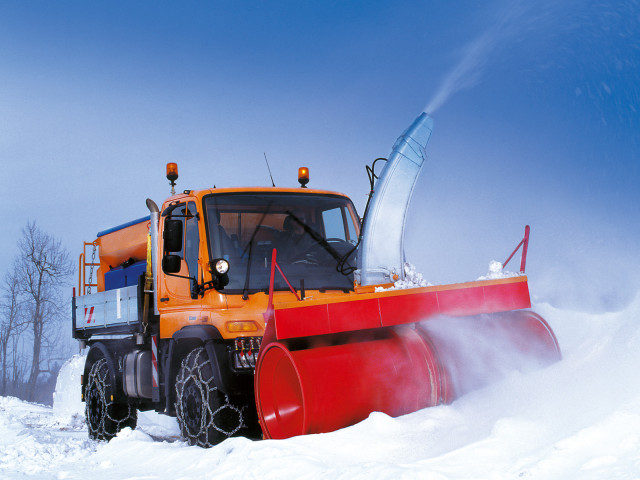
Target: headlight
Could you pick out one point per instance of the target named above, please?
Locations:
(222, 266)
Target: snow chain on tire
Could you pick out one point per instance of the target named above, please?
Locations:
(105, 418)
(205, 414)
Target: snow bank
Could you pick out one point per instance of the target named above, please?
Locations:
(34, 443)
(68, 407)
(67, 402)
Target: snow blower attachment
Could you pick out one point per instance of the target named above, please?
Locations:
(270, 311)
(325, 364)
(328, 364)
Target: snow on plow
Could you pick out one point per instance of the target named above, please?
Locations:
(328, 364)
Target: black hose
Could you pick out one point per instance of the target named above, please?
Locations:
(342, 266)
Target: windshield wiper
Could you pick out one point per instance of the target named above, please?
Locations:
(245, 290)
(318, 238)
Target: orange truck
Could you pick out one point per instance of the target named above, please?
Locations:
(270, 312)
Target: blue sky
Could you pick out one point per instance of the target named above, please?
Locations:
(542, 125)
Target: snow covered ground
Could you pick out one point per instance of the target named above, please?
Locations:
(578, 419)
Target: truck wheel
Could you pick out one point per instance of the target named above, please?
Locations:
(206, 415)
(105, 418)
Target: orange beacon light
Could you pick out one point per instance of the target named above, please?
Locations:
(172, 175)
(303, 176)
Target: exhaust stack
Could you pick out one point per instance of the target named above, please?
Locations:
(381, 252)
(153, 229)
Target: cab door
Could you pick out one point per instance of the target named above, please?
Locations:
(179, 289)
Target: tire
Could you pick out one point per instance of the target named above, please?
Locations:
(206, 415)
(105, 418)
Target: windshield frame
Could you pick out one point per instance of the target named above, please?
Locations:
(354, 222)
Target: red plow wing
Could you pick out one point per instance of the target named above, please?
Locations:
(398, 307)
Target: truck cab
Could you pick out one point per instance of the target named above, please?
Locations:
(217, 247)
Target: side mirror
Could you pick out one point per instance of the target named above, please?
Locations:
(172, 235)
(171, 263)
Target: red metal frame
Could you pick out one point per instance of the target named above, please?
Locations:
(274, 265)
(525, 244)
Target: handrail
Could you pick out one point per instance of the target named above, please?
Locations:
(80, 273)
(82, 265)
(524, 243)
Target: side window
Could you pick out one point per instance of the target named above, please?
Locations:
(334, 223)
(351, 229)
(192, 240)
(176, 214)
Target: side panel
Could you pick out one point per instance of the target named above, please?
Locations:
(105, 311)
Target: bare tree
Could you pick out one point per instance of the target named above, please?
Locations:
(41, 269)
(11, 322)
(19, 364)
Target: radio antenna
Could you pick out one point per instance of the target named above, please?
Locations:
(269, 168)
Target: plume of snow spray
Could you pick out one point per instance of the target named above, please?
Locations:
(468, 72)
(480, 350)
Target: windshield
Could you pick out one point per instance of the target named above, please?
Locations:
(314, 235)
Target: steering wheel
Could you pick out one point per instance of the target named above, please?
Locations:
(311, 253)
(334, 240)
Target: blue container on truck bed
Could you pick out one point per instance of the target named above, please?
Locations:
(120, 277)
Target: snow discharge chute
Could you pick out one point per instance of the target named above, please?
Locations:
(381, 251)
